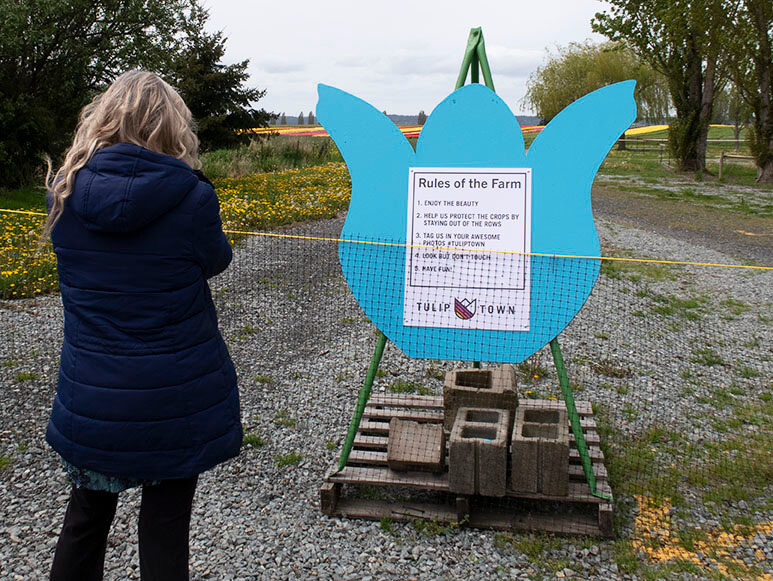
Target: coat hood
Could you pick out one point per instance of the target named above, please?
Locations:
(125, 187)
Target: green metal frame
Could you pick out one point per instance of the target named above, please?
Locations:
(362, 400)
(475, 57)
(475, 60)
(574, 419)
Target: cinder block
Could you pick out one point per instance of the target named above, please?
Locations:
(415, 446)
(479, 388)
(477, 456)
(540, 451)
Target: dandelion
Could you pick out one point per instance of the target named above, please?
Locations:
(253, 202)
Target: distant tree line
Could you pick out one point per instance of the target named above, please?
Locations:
(56, 55)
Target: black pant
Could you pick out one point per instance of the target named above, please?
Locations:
(165, 516)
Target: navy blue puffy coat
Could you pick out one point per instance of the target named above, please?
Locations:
(146, 386)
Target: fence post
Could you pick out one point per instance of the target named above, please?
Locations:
(721, 163)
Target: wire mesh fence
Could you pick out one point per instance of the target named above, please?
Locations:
(671, 372)
(670, 368)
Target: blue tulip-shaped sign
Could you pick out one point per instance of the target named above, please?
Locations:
(443, 248)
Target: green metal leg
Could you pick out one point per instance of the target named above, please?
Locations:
(574, 419)
(362, 400)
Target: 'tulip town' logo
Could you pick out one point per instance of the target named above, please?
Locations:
(465, 309)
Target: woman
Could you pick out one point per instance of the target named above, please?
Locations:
(147, 392)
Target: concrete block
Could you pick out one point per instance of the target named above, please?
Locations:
(479, 388)
(415, 446)
(477, 456)
(540, 451)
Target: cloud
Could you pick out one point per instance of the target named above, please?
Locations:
(513, 62)
(354, 62)
(281, 67)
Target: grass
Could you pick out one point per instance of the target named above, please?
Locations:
(531, 370)
(533, 545)
(746, 371)
(606, 367)
(388, 526)
(655, 177)
(539, 548)
(25, 376)
(276, 153)
(29, 197)
(282, 418)
(5, 462)
(266, 201)
(253, 440)
(662, 465)
(706, 356)
(738, 468)
(401, 386)
(735, 307)
(432, 528)
(636, 271)
(289, 459)
(690, 308)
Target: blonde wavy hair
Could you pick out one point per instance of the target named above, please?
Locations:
(140, 108)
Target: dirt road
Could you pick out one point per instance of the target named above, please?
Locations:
(746, 238)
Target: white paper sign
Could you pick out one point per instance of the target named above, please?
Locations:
(465, 228)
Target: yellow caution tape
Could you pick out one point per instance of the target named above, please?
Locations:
(324, 239)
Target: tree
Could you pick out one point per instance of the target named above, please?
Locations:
(216, 93)
(55, 55)
(729, 108)
(580, 68)
(422, 119)
(300, 118)
(682, 39)
(283, 120)
(311, 119)
(751, 68)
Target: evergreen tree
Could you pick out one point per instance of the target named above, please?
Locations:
(215, 93)
(300, 118)
(55, 55)
(422, 117)
(310, 119)
(283, 120)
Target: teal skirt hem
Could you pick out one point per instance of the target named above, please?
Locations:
(91, 480)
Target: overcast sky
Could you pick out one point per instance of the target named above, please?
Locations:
(402, 56)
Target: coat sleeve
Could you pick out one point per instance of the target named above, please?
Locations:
(211, 248)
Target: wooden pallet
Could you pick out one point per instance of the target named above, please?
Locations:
(577, 513)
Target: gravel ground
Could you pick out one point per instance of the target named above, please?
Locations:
(301, 347)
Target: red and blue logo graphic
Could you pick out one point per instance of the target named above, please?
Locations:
(465, 309)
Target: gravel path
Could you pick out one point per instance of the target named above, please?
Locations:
(301, 347)
(743, 237)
